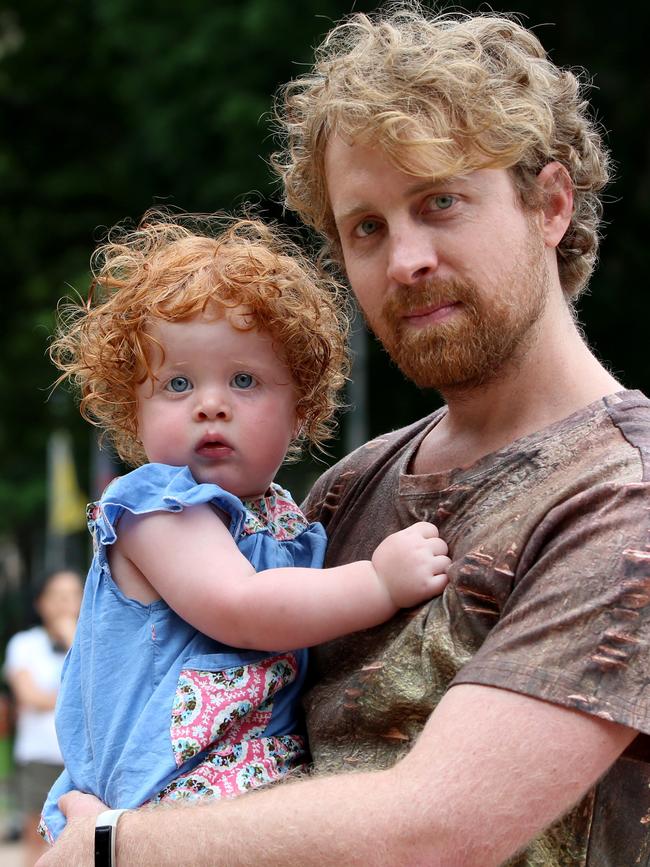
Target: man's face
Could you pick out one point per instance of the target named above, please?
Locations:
(452, 276)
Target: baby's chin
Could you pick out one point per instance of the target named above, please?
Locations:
(228, 481)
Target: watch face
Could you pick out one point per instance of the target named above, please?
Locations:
(103, 839)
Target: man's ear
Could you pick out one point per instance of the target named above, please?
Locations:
(557, 209)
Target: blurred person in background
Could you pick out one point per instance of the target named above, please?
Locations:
(32, 668)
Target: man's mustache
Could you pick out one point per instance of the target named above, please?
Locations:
(428, 293)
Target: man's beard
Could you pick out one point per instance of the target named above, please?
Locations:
(471, 347)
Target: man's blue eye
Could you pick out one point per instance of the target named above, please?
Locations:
(443, 202)
(242, 380)
(179, 384)
(366, 227)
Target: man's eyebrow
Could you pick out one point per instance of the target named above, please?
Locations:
(421, 185)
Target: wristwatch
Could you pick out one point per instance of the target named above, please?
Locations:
(105, 836)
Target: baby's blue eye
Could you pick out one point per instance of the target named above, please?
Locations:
(179, 384)
(242, 380)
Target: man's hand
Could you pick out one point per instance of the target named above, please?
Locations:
(75, 805)
(75, 847)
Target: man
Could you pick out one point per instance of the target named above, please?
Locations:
(455, 173)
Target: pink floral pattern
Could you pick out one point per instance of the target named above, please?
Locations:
(236, 768)
(229, 710)
(277, 513)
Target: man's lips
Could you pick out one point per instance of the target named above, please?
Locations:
(431, 313)
(213, 447)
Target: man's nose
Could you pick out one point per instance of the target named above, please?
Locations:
(412, 255)
(212, 404)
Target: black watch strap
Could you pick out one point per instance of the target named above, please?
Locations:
(105, 837)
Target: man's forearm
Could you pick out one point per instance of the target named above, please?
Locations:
(324, 821)
(490, 770)
(316, 823)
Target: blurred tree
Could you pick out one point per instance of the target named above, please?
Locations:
(108, 107)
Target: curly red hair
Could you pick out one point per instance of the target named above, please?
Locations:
(172, 267)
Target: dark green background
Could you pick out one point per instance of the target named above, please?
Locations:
(110, 106)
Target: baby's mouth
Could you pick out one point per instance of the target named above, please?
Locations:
(213, 447)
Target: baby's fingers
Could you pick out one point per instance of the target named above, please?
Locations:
(438, 546)
(425, 529)
(440, 565)
(438, 583)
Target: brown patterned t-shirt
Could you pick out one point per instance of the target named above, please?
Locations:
(549, 596)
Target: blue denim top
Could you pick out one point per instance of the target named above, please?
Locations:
(121, 674)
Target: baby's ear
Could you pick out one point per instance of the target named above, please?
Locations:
(557, 189)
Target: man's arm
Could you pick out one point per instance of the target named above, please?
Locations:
(490, 770)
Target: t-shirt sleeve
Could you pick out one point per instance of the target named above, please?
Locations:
(576, 628)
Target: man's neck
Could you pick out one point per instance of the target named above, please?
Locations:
(557, 376)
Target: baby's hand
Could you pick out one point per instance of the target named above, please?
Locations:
(412, 564)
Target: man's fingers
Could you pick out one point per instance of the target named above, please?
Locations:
(75, 804)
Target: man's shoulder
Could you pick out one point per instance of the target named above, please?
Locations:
(629, 412)
(612, 439)
(605, 442)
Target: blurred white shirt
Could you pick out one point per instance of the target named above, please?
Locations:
(32, 651)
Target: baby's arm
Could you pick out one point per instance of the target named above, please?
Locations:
(191, 561)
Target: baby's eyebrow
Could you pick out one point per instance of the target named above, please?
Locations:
(172, 363)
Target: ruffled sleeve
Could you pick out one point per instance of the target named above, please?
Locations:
(158, 488)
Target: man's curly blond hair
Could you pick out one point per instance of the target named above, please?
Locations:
(444, 94)
(174, 267)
